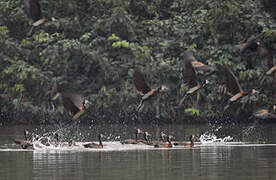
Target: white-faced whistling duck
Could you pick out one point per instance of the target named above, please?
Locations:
(144, 89)
(265, 53)
(149, 142)
(186, 143)
(133, 141)
(94, 145)
(57, 142)
(147, 139)
(73, 102)
(189, 76)
(197, 65)
(33, 11)
(163, 137)
(165, 145)
(26, 143)
(232, 84)
(263, 114)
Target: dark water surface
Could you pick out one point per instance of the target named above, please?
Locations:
(225, 152)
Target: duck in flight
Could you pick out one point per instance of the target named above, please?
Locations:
(146, 92)
(232, 84)
(72, 102)
(264, 52)
(189, 76)
(33, 11)
(264, 114)
(197, 65)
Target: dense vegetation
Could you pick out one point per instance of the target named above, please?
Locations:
(95, 44)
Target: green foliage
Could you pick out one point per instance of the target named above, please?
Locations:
(4, 32)
(94, 46)
(113, 37)
(120, 44)
(192, 111)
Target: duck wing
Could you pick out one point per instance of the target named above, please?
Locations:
(231, 81)
(188, 73)
(139, 82)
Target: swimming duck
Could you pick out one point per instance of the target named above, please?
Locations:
(26, 143)
(186, 143)
(163, 136)
(57, 141)
(94, 145)
(148, 142)
(167, 144)
(133, 141)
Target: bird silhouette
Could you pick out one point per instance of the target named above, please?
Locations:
(197, 65)
(148, 141)
(232, 84)
(264, 52)
(189, 76)
(33, 11)
(263, 114)
(167, 144)
(72, 102)
(269, 73)
(146, 92)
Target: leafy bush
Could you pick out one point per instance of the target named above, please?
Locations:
(94, 46)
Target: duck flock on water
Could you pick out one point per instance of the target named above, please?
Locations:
(166, 141)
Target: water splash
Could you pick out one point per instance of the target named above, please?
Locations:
(209, 138)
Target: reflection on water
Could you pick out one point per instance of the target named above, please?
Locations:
(196, 163)
(227, 152)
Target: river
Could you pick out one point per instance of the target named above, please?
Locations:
(231, 151)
